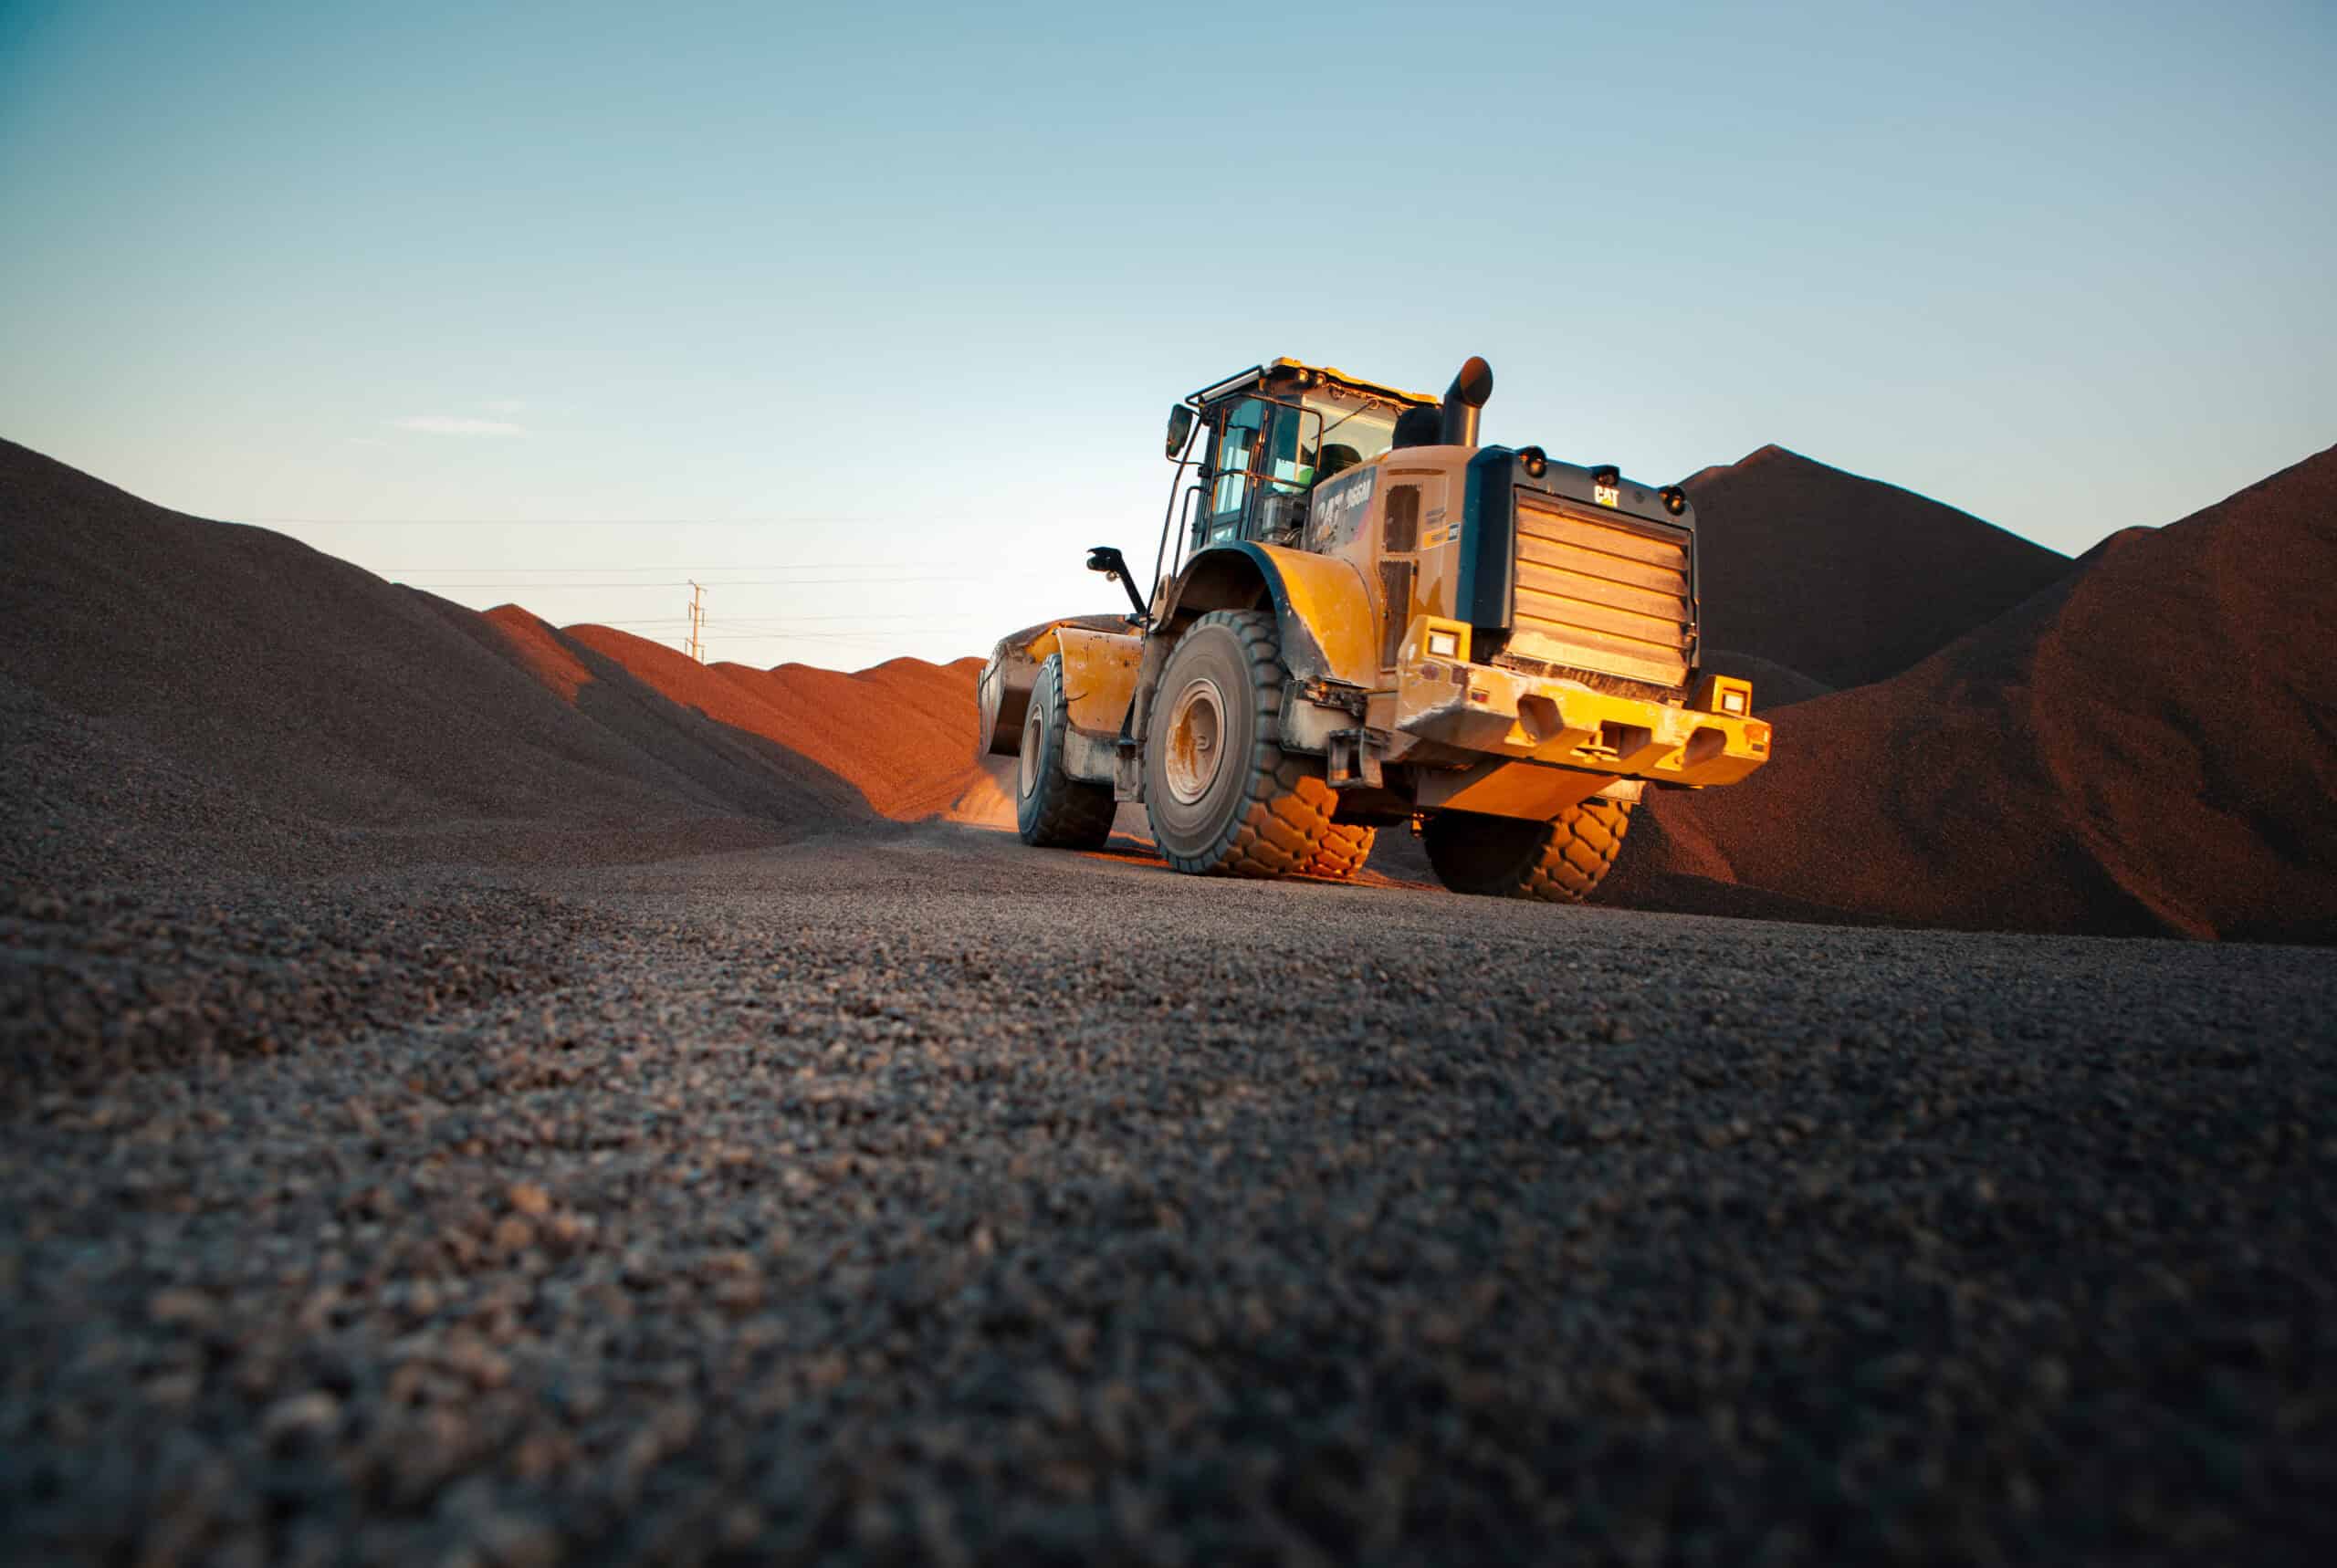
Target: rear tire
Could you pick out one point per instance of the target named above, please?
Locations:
(1224, 797)
(1507, 857)
(1051, 809)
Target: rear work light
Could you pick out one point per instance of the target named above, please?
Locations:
(1723, 694)
(1445, 644)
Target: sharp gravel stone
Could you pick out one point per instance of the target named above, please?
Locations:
(923, 1197)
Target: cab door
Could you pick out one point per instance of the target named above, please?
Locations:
(1237, 445)
(1263, 451)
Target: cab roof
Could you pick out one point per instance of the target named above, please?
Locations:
(1276, 369)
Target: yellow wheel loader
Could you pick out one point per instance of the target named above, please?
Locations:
(1360, 617)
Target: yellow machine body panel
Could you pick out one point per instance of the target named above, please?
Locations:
(1100, 672)
(1395, 523)
(1331, 601)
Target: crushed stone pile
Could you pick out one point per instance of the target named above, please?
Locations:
(2149, 745)
(188, 696)
(1845, 580)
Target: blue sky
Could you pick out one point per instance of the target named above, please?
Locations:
(868, 316)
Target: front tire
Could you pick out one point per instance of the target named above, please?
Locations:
(1051, 809)
(1224, 797)
(1507, 857)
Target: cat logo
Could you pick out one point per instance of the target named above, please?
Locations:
(1338, 509)
(1607, 495)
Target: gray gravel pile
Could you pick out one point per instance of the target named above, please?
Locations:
(193, 691)
(932, 1198)
(86, 803)
(97, 984)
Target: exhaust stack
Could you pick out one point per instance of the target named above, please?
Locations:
(1462, 399)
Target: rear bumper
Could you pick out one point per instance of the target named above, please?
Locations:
(1513, 716)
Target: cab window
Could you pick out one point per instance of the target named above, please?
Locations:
(1236, 460)
(1290, 448)
(1341, 434)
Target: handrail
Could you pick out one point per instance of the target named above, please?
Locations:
(1169, 518)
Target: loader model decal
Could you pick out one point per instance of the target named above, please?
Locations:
(1338, 509)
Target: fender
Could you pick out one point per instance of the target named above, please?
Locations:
(1330, 630)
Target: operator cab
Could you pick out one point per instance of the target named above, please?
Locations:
(1274, 432)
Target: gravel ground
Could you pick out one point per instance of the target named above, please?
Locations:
(929, 1197)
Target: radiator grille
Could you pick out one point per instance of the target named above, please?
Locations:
(1598, 596)
(1401, 532)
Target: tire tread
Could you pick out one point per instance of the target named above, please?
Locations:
(1071, 813)
(1285, 822)
(1565, 865)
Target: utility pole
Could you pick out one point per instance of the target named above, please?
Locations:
(696, 648)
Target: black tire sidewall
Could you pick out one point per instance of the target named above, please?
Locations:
(1060, 811)
(1046, 706)
(1214, 650)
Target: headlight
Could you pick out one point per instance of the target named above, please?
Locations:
(1445, 644)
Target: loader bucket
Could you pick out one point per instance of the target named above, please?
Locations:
(1004, 689)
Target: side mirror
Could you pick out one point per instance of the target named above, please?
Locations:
(1181, 430)
(1113, 565)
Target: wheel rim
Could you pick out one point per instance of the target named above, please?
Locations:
(1196, 749)
(1026, 775)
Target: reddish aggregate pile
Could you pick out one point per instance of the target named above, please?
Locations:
(2149, 745)
(901, 733)
(1844, 580)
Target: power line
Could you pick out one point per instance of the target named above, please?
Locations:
(543, 522)
(671, 566)
(861, 619)
(806, 637)
(875, 626)
(736, 631)
(736, 582)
